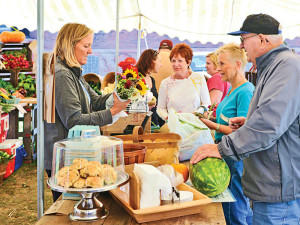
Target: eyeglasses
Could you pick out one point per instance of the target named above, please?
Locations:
(155, 52)
(243, 39)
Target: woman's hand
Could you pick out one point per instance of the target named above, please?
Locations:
(118, 105)
(211, 125)
(236, 122)
(151, 107)
(208, 150)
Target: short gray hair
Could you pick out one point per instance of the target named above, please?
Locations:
(274, 37)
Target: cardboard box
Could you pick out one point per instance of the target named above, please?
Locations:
(118, 127)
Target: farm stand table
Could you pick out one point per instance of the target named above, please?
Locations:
(209, 214)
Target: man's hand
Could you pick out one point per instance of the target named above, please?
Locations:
(236, 122)
(208, 150)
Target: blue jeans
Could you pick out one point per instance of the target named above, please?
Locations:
(282, 213)
(238, 212)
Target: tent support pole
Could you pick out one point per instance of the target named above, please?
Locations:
(117, 42)
(40, 122)
(139, 39)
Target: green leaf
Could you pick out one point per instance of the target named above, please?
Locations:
(26, 86)
(22, 76)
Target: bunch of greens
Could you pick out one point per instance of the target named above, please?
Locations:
(6, 107)
(7, 86)
(27, 85)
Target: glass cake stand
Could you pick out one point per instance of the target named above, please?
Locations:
(89, 208)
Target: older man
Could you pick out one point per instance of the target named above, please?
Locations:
(268, 140)
(166, 69)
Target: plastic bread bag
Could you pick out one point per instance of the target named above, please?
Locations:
(194, 132)
(175, 177)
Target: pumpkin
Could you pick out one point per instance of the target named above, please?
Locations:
(13, 36)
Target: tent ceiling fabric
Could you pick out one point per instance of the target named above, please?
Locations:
(194, 20)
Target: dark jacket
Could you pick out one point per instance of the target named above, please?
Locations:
(72, 107)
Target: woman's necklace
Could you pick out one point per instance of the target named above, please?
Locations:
(232, 89)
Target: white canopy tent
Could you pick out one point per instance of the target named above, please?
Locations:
(194, 20)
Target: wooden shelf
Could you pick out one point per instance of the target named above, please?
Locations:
(29, 100)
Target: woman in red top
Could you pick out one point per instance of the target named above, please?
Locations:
(216, 87)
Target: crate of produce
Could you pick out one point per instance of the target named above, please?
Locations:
(17, 50)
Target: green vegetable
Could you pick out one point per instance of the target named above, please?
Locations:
(4, 157)
(6, 85)
(28, 83)
(211, 176)
(6, 107)
(96, 87)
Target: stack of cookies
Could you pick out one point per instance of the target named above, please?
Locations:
(84, 174)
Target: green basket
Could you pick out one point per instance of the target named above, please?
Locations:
(14, 100)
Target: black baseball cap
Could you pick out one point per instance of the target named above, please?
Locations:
(259, 24)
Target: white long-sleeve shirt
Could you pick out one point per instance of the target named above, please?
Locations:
(184, 95)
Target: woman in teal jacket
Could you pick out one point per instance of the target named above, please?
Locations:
(232, 62)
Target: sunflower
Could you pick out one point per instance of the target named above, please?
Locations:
(142, 87)
(130, 73)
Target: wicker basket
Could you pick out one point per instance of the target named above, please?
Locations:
(3, 167)
(108, 79)
(93, 77)
(134, 153)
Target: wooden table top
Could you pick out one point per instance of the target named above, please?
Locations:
(209, 214)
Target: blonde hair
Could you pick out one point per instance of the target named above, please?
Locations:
(69, 35)
(214, 58)
(235, 52)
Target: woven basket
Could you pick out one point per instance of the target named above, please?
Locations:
(134, 153)
(109, 79)
(93, 77)
(3, 167)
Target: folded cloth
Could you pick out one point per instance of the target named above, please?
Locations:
(154, 185)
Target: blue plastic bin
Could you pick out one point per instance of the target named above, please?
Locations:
(20, 154)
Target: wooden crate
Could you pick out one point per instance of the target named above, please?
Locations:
(135, 119)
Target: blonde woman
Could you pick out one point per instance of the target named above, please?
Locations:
(216, 86)
(75, 102)
(232, 62)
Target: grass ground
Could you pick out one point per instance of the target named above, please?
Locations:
(18, 197)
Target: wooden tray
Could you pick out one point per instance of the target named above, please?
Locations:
(159, 212)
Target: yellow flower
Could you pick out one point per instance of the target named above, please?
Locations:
(142, 87)
(129, 73)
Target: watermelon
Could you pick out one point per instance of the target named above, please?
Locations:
(211, 176)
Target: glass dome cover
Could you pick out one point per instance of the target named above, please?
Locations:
(87, 162)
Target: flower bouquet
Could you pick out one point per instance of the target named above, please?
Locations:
(130, 84)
